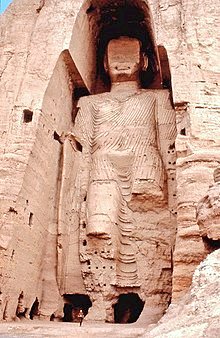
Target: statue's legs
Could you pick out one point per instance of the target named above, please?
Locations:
(108, 216)
(126, 267)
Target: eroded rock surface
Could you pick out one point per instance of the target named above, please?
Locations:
(198, 314)
(52, 56)
(208, 211)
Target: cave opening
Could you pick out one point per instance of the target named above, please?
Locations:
(73, 303)
(211, 244)
(34, 312)
(128, 308)
(27, 115)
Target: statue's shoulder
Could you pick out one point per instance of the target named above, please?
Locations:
(161, 95)
(156, 92)
(145, 95)
(93, 99)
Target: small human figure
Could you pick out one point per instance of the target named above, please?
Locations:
(21, 309)
(81, 317)
(126, 316)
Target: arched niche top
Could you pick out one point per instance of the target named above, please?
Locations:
(97, 23)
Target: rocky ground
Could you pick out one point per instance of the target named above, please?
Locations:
(61, 330)
(198, 315)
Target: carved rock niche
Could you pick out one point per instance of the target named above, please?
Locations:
(123, 173)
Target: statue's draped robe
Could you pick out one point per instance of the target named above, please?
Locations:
(121, 142)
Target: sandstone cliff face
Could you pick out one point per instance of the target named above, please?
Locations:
(208, 213)
(46, 52)
(198, 314)
(30, 54)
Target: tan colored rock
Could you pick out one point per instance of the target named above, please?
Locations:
(208, 211)
(198, 313)
(49, 54)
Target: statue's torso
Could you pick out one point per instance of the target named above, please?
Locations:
(122, 129)
(121, 124)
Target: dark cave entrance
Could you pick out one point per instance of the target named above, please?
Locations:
(34, 312)
(128, 308)
(211, 244)
(73, 303)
